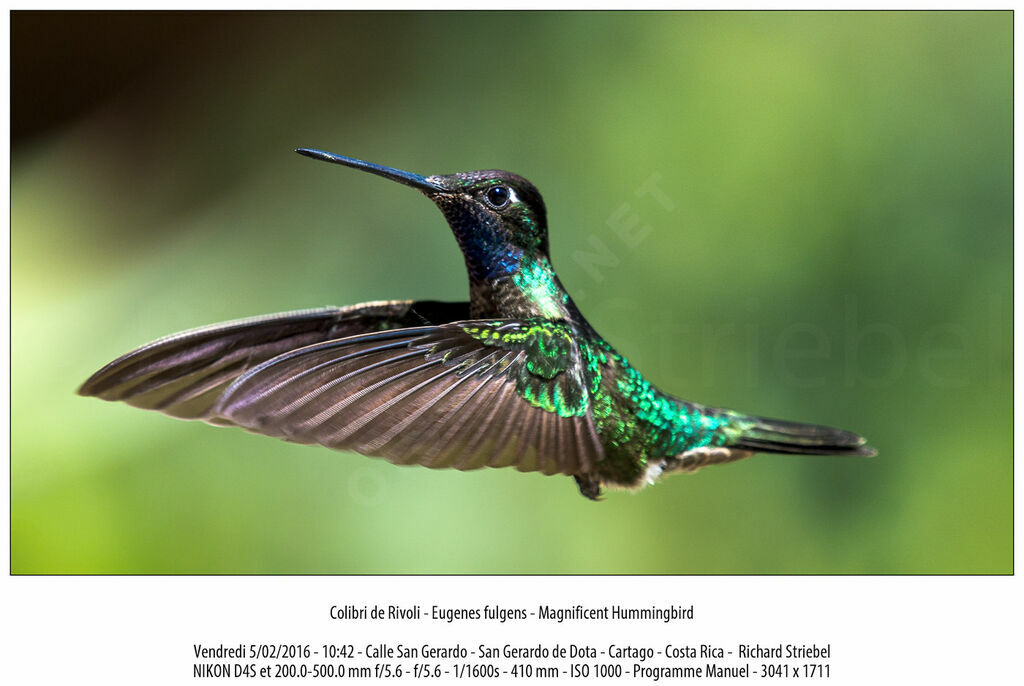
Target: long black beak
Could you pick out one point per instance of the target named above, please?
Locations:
(408, 178)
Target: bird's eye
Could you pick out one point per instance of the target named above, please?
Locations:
(498, 196)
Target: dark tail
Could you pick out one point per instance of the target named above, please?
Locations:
(777, 436)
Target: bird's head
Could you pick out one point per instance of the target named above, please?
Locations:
(497, 217)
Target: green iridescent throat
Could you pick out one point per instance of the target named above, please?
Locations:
(537, 282)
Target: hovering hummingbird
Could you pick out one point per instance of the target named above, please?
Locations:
(514, 377)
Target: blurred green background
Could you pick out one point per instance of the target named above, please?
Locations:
(831, 243)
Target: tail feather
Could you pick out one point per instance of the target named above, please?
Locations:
(778, 436)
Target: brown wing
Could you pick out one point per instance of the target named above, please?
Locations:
(434, 396)
(184, 375)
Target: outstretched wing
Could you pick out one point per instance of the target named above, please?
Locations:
(185, 374)
(465, 395)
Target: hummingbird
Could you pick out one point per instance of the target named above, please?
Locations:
(514, 377)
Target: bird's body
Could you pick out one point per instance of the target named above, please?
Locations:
(514, 377)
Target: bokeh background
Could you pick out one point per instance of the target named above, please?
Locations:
(829, 241)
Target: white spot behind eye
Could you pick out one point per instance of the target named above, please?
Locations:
(512, 197)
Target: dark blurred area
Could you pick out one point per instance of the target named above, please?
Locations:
(65, 64)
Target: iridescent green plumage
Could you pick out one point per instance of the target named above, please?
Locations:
(515, 377)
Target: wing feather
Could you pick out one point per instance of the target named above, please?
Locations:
(185, 374)
(434, 396)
